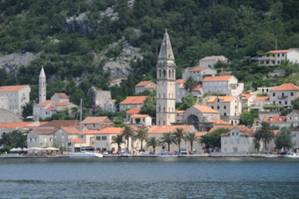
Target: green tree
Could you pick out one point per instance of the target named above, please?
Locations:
(212, 140)
(247, 118)
(118, 139)
(27, 110)
(14, 139)
(190, 84)
(167, 138)
(149, 106)
(127, 134)
(187, 102)
(264, 134)
(295, 104)
(178, 136)
(284, 139)
(191, 138)
(152, 142)
(142, 134)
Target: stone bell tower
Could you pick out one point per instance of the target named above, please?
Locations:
(42, 87)
(166, 76)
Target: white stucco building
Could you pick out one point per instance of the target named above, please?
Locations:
(239, 140)
(14, 98)
(276, 57)
(284, 94)
(229, 107)
(223, 84)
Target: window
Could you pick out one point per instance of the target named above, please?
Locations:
(273, 94)
(292, 94)
(286, 102)
(98, 137)
(224, 107)
(104, 137)
(212, 107)
(218, 107)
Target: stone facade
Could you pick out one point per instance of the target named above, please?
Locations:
(166, 85)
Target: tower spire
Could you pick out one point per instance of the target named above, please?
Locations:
(166, 52)
(42, 88)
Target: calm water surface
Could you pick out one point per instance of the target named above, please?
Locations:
(125, 178)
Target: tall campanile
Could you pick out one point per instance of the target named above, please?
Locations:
(165, 108)
(42, 88)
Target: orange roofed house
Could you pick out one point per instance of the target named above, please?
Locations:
(200, 116)
(96, 122)
(132, 102)
(14, 98)
(284, 94)
(145, 85)
(222, 84)
(229, 107)
(104, 139)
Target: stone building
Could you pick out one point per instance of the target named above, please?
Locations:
(102, 99)
(166, 85)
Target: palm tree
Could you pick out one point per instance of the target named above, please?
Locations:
(127, 134)
(178, 137)
(118, 139)
(152, 142)
(190, 137)
(168, 139)
(142, 134)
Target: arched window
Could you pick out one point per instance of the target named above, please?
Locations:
(160, 73)
(164, 73)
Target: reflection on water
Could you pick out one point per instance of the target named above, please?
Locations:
(149, 179)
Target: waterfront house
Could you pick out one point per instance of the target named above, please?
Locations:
(284, 94)
(41, 137)
(132, 102)
(293, 118)
(68, 139)
(239, 140)
(140, 120)
(222, 84)
(96, 122)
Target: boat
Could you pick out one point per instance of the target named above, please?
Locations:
(291, 155)
(85, 154)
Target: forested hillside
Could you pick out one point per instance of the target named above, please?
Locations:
(71, 51)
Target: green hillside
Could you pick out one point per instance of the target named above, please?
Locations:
(234, 28)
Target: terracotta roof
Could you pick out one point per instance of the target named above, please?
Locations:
(276, 119)
(278, 51)
(218, 78)
(204, 109)
(261, 98)
(132, 111)
(62, 95)
(213, 99)
(18, 125)
(286, 87)
(219, 122)
(111, 130)
(44, 130)
(71, 130)
(246, 96)
(169, 129)
(139, 116)
(61, 123)
(244, 130)
(94, 120)
(134, 100)
(199, 134)
(147, 84)
(180, 81)
(198, 68)
(12, 88)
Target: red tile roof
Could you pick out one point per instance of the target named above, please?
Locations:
(217, 78)
(77, 140)
(134, 100)
(71, 130)
(18, 125)
(62, 95)
(212, 99)
(276, 119)
(111, 130)
(12, 88)
(169, 129)
(278, 51)
(286, 87)
(147, 84)
(139, 116)
(133, 111)
(204, 109)
(61, 123)
(95, 120)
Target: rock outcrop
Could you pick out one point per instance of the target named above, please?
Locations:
(12, 61)
(78, 24)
